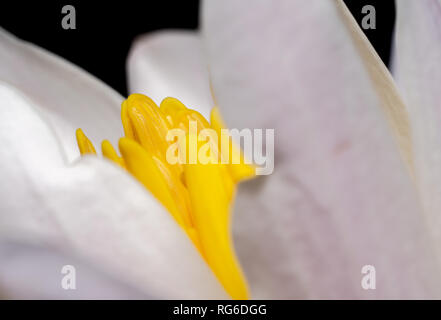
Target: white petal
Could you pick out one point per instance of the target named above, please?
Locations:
(29, 154)
(417, 68)
(340, 196)
(114, 221)
(34, 272)
(94, 208)
(170, 64)
(69, 97)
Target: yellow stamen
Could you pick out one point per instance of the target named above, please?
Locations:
(240, 171)
(127, 125)
(109, 152)
(143, 166)
(197, 194)
(84, 144)
(171, 108)
(149, 125)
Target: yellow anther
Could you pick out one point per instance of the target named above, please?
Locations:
(239, 171)
(142, 165)
(109, 152)
(84, 144)
(158, 180)
(185, 117)
(199, 193)
(171, 107)
(210, 213)
(127, 125)
(177, 190)
(149, 125)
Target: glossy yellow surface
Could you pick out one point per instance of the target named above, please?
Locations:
(197, 193)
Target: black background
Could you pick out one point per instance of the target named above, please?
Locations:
(105, 30)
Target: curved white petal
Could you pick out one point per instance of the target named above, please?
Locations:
(69, 97)
(340, 196)
(170, 64)
(114, 221)
(35, 272)
(29, 154)
(417, 68)
(94, 208)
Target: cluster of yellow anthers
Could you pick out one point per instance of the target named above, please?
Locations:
(198, 196)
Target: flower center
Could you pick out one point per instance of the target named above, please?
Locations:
(198, 194)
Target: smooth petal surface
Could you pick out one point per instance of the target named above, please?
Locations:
(115, 222)
(341, 196)
(171, 64)
(68, 96)
(35, 272)
(417, 69)
(29, 154)
(94, 208)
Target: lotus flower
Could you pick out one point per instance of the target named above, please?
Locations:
(356, 179)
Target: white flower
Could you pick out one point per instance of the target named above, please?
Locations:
(356, 171)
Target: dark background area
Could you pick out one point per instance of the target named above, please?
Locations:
(105, 30)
